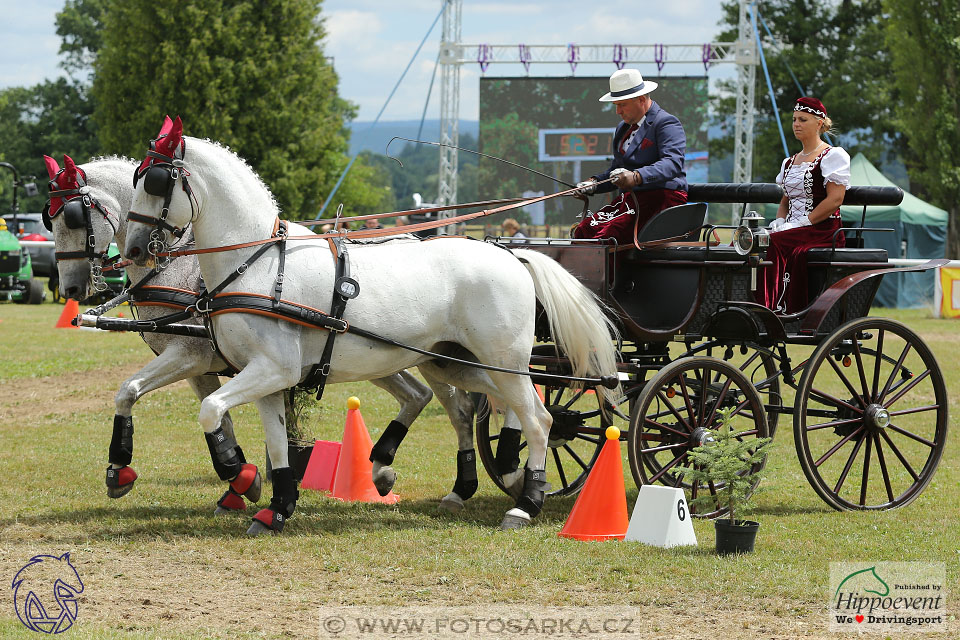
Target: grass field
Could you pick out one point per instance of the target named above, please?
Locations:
(156, 564)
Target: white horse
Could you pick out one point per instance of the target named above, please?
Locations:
(110, 190)
(458, 297)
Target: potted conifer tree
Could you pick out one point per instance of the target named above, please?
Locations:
(299, 446)
(732, 463)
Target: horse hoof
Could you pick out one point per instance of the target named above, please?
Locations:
(385, 480)
(119, 492)
(248, 482)
(120, 481)
(515, 519)
(230, 502)
(451, 503)
(259, 529)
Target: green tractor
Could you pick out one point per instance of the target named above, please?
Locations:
(16, 271)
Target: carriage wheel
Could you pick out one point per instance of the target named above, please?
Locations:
(674, 414)
(762, 369)
(870, 421)
(576, 436)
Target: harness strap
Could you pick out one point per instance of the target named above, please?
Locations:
(263, 305)
(317, 378)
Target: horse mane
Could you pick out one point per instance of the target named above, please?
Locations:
(112, 158)
(243, 163)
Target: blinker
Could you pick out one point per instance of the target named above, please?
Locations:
(75, 213)
(156, 181)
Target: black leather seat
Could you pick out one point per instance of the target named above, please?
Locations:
(819, 255)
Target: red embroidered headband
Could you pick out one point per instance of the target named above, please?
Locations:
(811, 105)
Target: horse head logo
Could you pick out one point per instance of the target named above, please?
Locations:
(867, 581)
(45, 593)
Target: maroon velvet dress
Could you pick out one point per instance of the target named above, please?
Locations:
(784, 286)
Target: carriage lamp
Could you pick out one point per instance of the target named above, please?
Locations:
(750, 239)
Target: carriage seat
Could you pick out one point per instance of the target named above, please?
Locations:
(818, 255)
(826, 265)
(674, 222)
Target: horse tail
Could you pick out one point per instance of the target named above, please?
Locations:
(578, 321)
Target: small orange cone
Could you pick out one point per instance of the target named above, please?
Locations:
(322, 466)
(600, 512)
(353, 481)
(70, 311)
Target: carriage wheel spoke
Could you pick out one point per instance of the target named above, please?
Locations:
(837, 446)
(576, 396)
(686, 399)
(672, 409)
(658, 425)
(703, 401)
(573, 454)
(903, 460)
(894, 372)
(843, 378)
(834, 423)
(861, 372)
(563, 477)
(718, 401)
(656, 477)
(583, 436)
(826, 398)
(903, 412)
(866, 473)
(749, 361)
(883, 467)
(876, 367)
(889, 403)
(665, 447)
(912, 435)
(846, 467)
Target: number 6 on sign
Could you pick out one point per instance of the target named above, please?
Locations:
(661, 518)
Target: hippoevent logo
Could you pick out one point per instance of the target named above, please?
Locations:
(45, 593)
(888, 596)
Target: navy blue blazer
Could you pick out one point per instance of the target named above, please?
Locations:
(660, 161)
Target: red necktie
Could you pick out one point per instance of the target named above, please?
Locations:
(626, 136)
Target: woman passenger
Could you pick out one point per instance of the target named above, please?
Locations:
(814, 182)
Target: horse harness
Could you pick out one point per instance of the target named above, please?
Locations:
(76, 209)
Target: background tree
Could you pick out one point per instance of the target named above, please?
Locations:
(247, 73)
(924, 36)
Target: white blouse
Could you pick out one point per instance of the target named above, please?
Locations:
(797, 184)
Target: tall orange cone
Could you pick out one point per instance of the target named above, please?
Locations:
(600, 512)
(70, 311)
(353, 481)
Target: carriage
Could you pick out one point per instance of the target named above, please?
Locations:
(869, 403)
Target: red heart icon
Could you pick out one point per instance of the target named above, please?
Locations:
(858, 618)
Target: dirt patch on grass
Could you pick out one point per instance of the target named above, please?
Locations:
(26, 399)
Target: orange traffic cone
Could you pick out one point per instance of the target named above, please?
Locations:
(322, 466)
(70, 311)
(600, 512)
(353, 481)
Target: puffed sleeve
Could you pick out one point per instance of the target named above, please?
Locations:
(783, 167)
(835, 167)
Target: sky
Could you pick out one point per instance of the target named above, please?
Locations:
(372, 41)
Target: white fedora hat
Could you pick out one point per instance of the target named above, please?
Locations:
(627, 83)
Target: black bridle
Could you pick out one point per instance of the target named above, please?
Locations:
(159, 177)
(76, 209)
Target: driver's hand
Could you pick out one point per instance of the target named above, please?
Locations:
(586, 188)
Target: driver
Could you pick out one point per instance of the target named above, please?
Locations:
(648, 152)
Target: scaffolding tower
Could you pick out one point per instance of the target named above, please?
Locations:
(454, 54)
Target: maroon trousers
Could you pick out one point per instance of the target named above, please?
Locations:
(624, 228)
(784, 287)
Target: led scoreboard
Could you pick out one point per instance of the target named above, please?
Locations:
(561, 145)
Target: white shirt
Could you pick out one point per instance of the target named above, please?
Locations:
(797, 184)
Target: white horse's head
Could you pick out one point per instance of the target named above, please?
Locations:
(186, 180)
(84, 214)
(164, 201)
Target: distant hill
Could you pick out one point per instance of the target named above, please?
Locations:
(362, 138)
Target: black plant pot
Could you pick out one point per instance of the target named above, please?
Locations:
(298, 455)
(735, 538)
